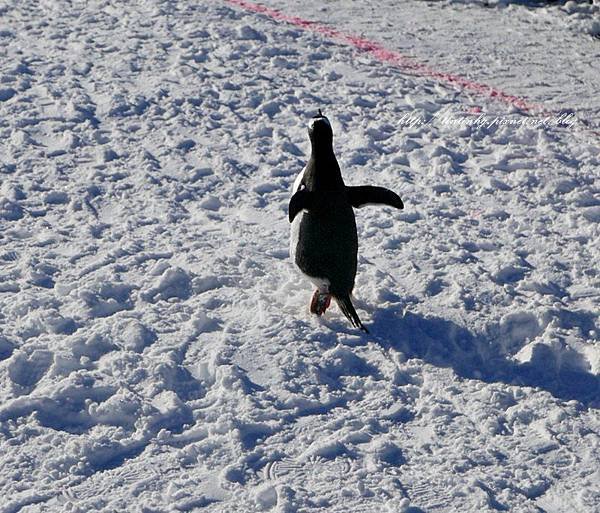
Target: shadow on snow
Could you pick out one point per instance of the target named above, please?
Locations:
(479, 356)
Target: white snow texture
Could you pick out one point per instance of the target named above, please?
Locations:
(156, 350)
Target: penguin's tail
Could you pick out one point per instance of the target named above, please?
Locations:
(348, 310)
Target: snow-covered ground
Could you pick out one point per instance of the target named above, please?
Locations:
(156, 350)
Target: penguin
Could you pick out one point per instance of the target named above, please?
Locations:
(323, 237)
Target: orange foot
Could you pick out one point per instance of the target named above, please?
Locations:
(320, 302)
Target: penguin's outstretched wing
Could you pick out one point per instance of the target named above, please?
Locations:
(301, 200)
(368, 195)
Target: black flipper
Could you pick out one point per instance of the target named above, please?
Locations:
(348, 310)
(300, 201)
(365, 194)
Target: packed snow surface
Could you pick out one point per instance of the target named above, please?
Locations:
(156, 350)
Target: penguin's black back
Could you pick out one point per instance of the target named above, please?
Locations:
(328, 243)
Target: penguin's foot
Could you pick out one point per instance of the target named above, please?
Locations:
(320, 302)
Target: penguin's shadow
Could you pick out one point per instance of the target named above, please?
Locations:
(444, 343)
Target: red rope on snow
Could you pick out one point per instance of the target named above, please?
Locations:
(383, 54)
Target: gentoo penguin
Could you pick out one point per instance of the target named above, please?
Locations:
(324, 242)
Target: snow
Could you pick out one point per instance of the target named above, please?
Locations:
(156, 350)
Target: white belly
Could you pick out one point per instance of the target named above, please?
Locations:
(295, 228)
(298, 180)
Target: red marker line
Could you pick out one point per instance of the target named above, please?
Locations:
(383, 54)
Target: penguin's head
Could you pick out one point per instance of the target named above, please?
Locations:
(319, 130)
